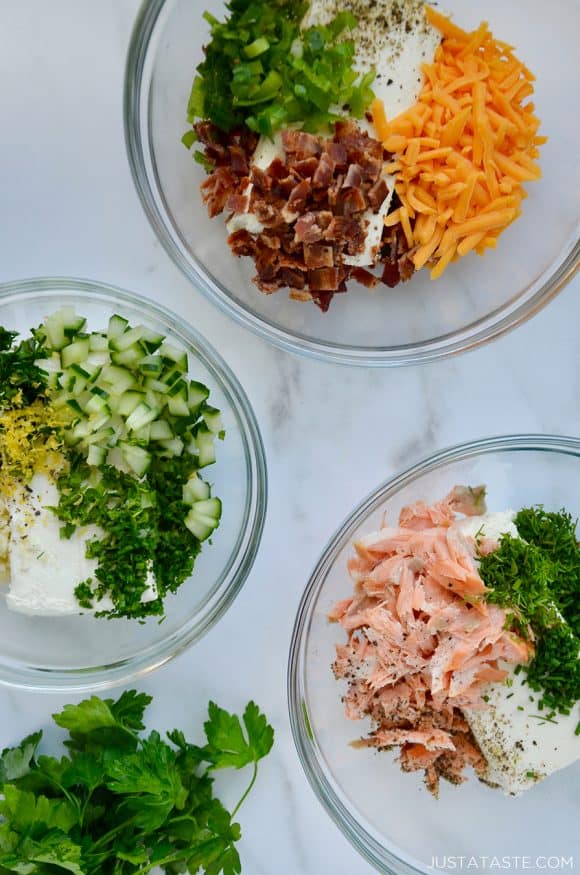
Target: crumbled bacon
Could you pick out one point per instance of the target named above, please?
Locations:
(317, 255)
(311, 205)
(377, 193)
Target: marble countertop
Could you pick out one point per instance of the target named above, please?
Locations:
(68, 207)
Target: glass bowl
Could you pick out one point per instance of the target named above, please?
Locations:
(79, 653)
(388, 815)
(476, 300)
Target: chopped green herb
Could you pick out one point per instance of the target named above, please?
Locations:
(21, 379)
(544, 718)
(261, 70)
(536, 579)
(144, 531)
(555, 535)
(123, 802)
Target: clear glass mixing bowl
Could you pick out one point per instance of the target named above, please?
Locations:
(388, 815)
(476, 300)
(79, 653)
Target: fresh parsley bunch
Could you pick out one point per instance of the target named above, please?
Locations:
(124, 803)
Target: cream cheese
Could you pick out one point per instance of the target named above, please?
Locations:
(489, 525)
(43, 569)
(393, 37)
(520, 747)
(374, 231)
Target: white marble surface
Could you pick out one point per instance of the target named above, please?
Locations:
(68, 207)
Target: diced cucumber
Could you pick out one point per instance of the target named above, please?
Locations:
(101, 438)
(178, 389)
(204, 440)
(156, 386)
(161, 430)
(52, 367)
(178, 406)
(142, 415)
(201, 524)
(74, 405)
(117, 325)
(143, 435)
(137, 458)
(131, 398)
(175, 355)
(75, 353)
(80, 371)
(98, 342)
(200, 527)
(97, 359)
(127, 402)
(99, 420)
(61, 326)
(54, 330)
(97, 404)
(151, 340)
(171, 376)
(82, 429)
(213, 419)
(173, 447)
(130, 357)
(96, 455)
(195, 489)
(197, 393)
(210, 507)
(119, 379)
(71, 321)
(151, 365)
(154, 399)
(130, 337)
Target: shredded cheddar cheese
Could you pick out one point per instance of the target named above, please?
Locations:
(464, 150)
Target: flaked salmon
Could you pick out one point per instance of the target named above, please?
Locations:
(421, 640)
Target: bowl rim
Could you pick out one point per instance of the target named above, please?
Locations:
(242, 557)
(375, 853)
(142, 165)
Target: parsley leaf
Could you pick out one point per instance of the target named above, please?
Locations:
(25, 811)
(16, 761)
(227, 746)
(122, 802)
(129, 709)
(93, 713)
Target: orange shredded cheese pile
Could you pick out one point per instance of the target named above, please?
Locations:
(464, 150)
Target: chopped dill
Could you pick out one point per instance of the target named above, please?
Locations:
(536, 579)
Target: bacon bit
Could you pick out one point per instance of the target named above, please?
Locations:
(312, 205)
(316, 255)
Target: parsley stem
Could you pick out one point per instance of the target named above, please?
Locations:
(112, 833)
(248, 790)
